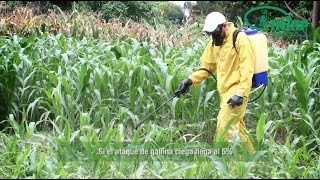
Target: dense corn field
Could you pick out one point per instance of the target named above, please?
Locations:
(63, 100)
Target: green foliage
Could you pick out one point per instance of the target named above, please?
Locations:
(134, 10)
(316, 35)
(166, 12)
(309, 32)
(90, 5)
(171, 11)
(14, 4)
(239, 23)
(303, 8)
(112, 9)
(138, 10)
(289, 36)
(82, 6)
(206, 7)
(67, 98)
(38, 6)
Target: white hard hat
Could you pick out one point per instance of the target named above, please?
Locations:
(213, 20)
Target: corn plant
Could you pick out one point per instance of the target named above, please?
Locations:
(65, 99)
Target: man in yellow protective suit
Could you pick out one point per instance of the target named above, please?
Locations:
(234, 74)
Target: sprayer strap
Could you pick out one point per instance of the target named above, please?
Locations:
(235, 35)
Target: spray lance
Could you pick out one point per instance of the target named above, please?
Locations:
(154, 111)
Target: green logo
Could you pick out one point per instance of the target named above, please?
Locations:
(282, 21)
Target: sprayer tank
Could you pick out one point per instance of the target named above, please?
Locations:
(259, 42)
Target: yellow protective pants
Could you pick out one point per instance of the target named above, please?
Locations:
(226, 114)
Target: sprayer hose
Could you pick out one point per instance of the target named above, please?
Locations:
(204, 69)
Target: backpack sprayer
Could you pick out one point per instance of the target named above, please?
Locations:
(260, 75)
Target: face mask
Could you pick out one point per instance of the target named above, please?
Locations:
(217, 37)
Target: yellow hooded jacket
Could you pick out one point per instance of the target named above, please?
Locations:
(234, 70)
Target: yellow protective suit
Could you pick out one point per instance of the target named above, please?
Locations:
(234, 76)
